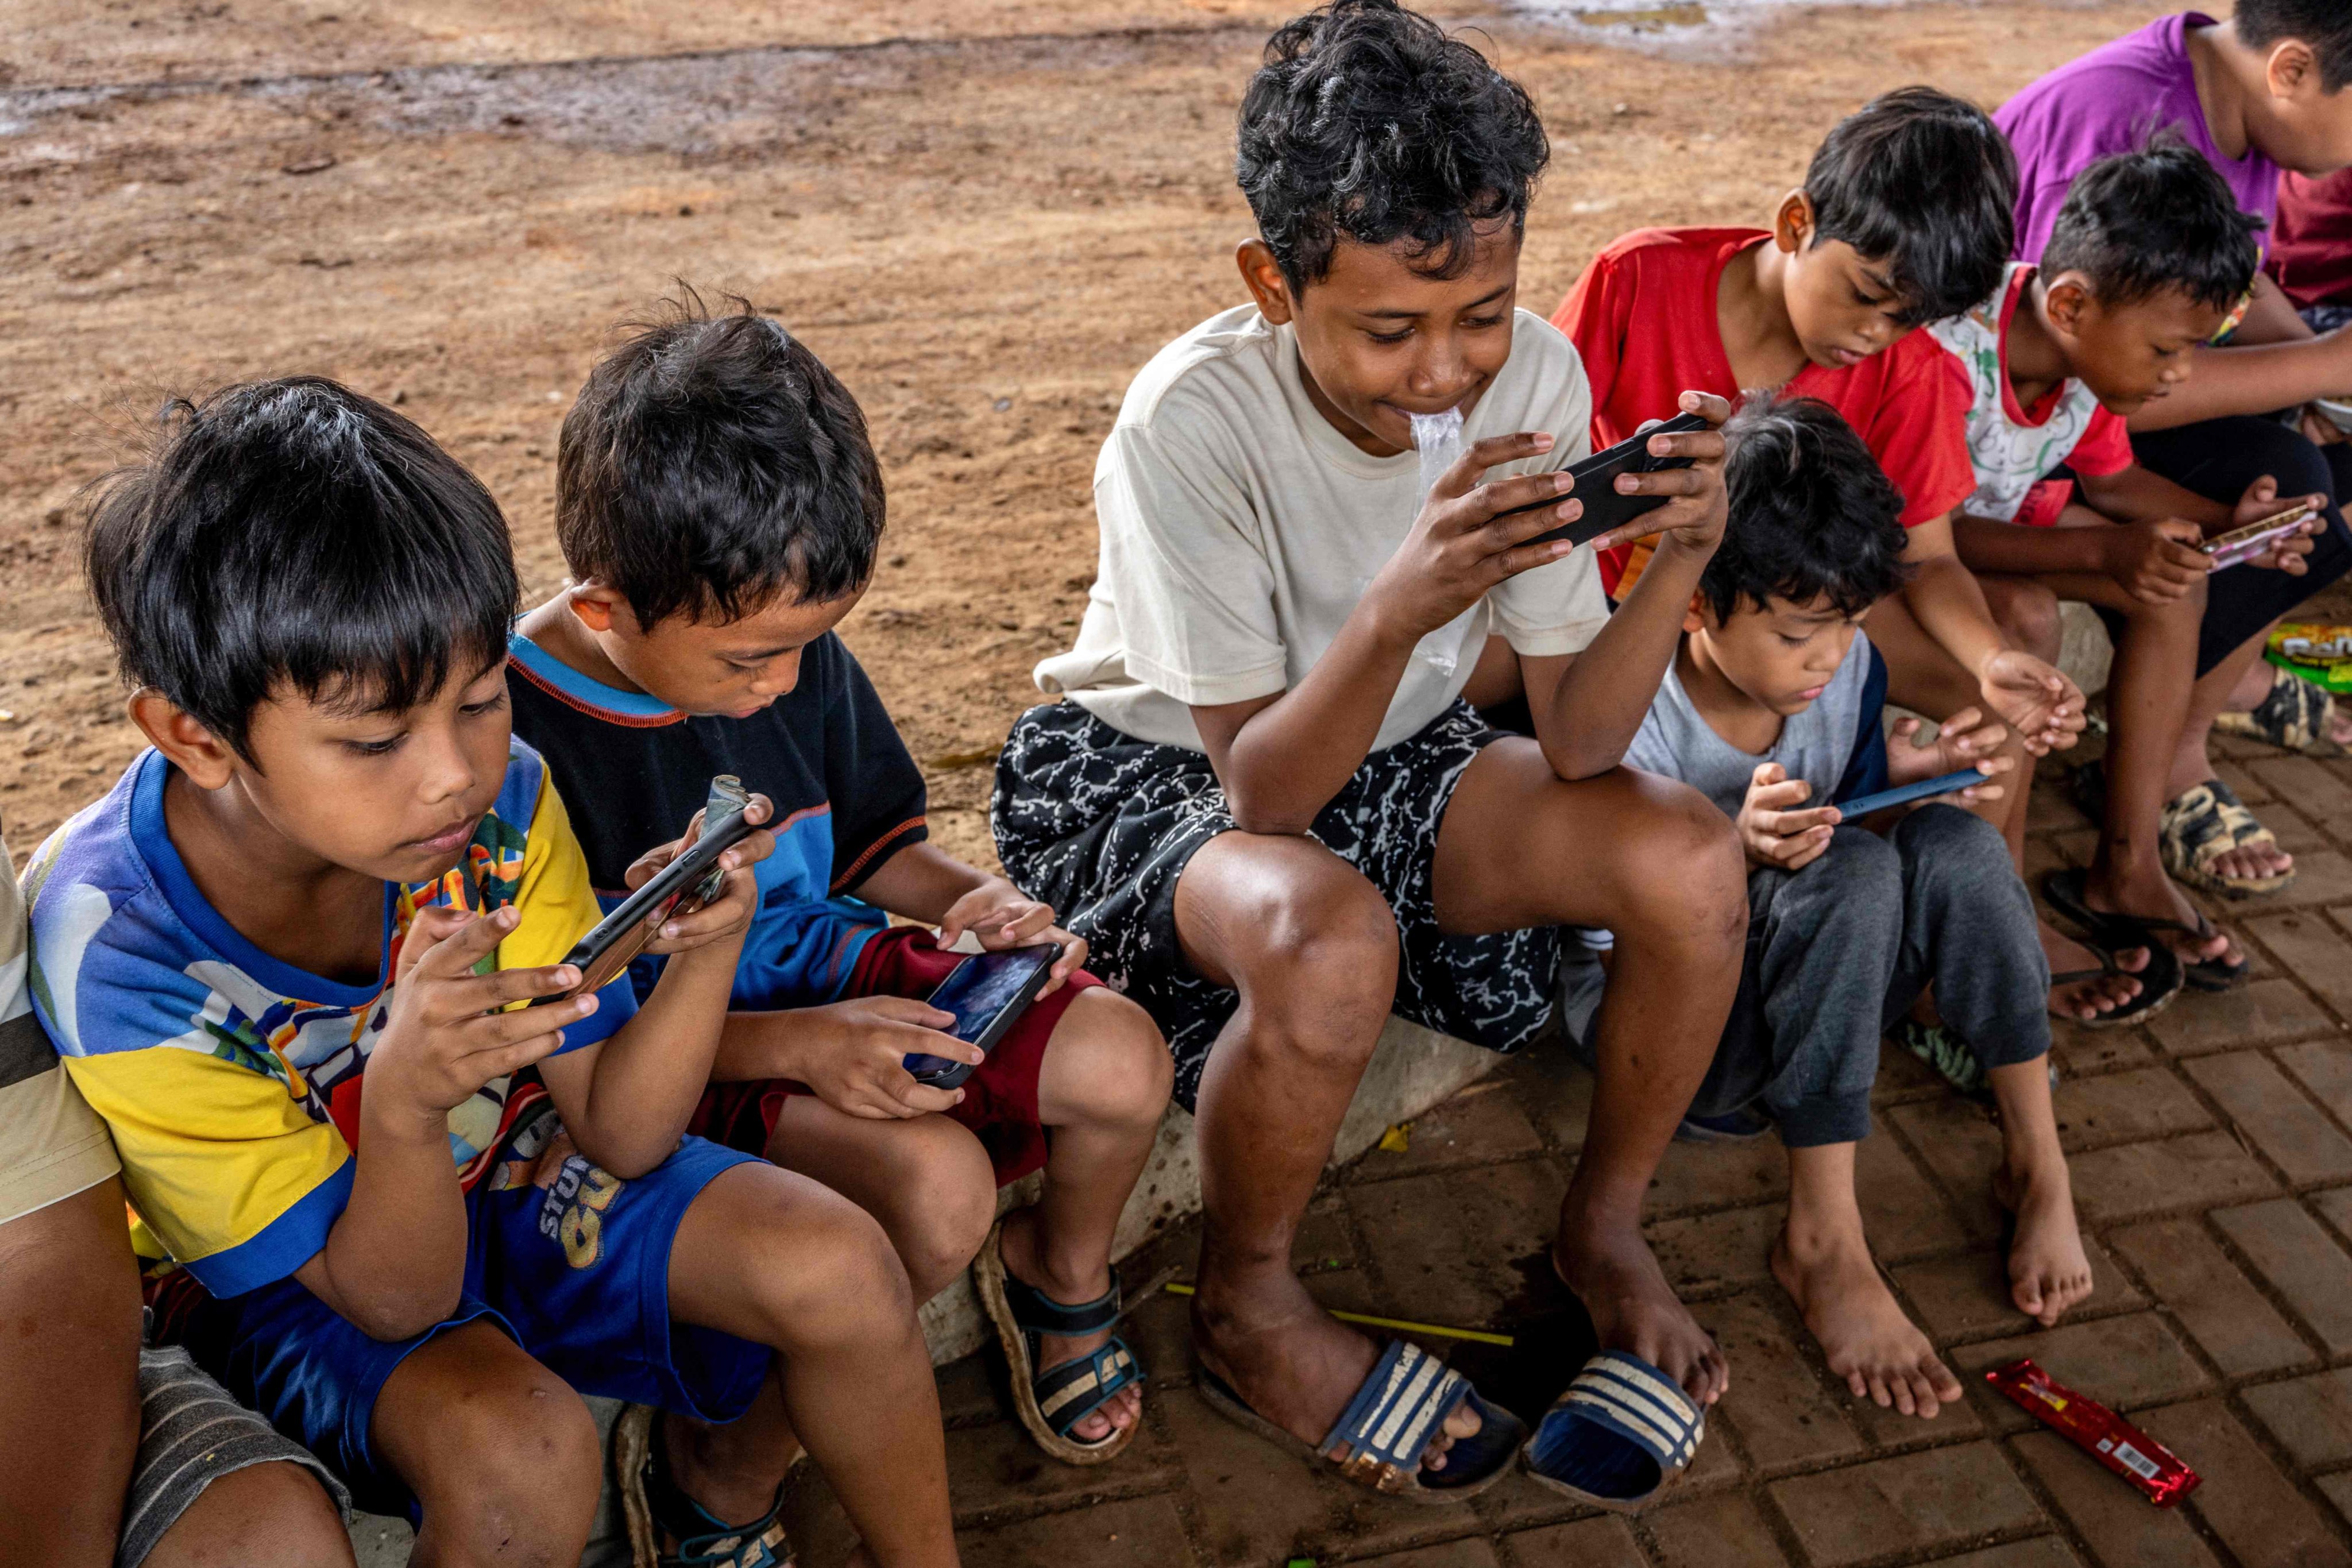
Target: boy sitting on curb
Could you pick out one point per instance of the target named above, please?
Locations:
(719, 508)
(1904, 218)
(287, 958)
(1268, 807)
(1773, 710)
(2148, 256)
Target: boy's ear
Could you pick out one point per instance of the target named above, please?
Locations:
(1695, 613)
(2065, 299)
(2290, 69)
(597, 606)
(1262, 276)
(1792, 225)
(207, 759)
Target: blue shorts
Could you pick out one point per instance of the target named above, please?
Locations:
(571, 1263)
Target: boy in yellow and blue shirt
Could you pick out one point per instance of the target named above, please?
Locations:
(286, 958)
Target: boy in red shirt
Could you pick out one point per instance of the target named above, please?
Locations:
(1823, 305)
(2148, 253)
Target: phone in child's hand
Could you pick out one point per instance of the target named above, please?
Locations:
(682, 887)
(987, 992)
(2242, 544)
(1596, 484)
(1903, 795)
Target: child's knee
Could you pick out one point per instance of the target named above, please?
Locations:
(2028, 616)
(1108, 1065)
(1317, 957)
(832, 1276)
(950, 1188)
(1688, 877)
(273, 1515)
(526, 1463)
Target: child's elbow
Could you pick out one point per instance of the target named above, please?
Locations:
(393, 1321)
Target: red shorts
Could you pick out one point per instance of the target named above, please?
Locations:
(999, 1098)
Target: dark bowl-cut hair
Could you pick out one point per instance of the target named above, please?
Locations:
(1367, 120)
(713, 463)
(1924, 184)
(292, 534)
(2325, 24)
(2139, 224)
(1812, 515)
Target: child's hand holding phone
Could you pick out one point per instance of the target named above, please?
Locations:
(728, 913)
(1696, 505)
(1000, 915)
(2156, 562)
(2261, 503)
(1966, 740)
(1775, 829)
(852, 1054)
(448, 1032)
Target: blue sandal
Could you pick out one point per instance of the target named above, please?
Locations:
(1622, 1434)
(652, 1505)
(1400, 1406)
(1053, 1400)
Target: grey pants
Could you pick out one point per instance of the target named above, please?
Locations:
(1839, 951)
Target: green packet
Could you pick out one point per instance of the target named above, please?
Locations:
(2319, 654)
(2330, 677)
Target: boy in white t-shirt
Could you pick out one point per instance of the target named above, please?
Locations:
(2148, 253)
(1267, 806)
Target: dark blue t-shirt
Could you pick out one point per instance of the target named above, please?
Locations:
(634, 771)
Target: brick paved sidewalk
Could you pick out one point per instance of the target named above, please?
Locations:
(2213, 1168)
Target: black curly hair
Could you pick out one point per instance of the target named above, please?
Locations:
(1812, 514)
(1367, 120)
(2138, 224)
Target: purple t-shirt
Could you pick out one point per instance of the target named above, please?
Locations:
(2111, 101)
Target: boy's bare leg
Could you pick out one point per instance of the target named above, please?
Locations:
(773, 1257)
(925, 1179)
(68, 1364)
(1922, 677)
(1822, 1260)
(2048, 1270)
(2149, 693)
(502, 1456)
(264, 1516)
(1657, 864)
(1100, 1093)
(1312, 949)
(2237, 682)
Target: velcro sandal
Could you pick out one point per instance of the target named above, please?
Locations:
(1379, 1438)
(2295, 716)
(653, 1506)
(1052, 1399)
(1621, 1436)
(2201, 824)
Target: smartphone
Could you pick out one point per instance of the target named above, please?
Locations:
(1855, 810)
(986, 992)
(1596, 484)
(2242, 544)
(682, 887)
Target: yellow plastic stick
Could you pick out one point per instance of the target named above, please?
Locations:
(1479, 1336)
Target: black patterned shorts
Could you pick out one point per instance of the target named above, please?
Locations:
(1100, 824)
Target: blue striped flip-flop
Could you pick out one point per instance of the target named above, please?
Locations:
(1622, 1434)
(1400, 1405)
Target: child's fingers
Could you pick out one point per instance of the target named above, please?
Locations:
(922, 1100)
(1779, 796)
(508, 1060)
(1788, 824)
(1698, 445)
(1708, 405)
(458, 951)
(502, 988)
(1491, 501)
(496, 1031)
(1480, 455)
(909, 1010)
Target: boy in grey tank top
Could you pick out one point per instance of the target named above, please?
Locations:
(1772, 710)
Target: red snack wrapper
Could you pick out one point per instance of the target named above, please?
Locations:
(2098, 1432)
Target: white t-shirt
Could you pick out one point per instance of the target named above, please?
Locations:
(1240, 530)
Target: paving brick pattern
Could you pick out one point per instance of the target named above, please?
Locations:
(2213, 1156)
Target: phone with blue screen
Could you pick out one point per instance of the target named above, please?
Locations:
(987, 992)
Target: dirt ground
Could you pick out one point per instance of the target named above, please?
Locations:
(984, 214)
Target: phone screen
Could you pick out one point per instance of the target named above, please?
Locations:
(986, 984)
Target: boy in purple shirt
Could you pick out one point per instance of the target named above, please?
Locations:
(2255, 94)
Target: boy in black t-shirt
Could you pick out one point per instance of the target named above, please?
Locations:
(718, 507)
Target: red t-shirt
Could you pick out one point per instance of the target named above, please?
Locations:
(2311, 244)
(2103, 447)
(1644, 318)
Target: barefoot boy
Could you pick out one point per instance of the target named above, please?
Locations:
(1266, 805)
(718, 507)
(2262, 92)
(2148, 253)
(1773, 710)
(1824, 305)
(282, 958)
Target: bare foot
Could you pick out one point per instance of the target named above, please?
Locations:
(1860, 1329)
(2151, 895)
(1615, 1275)
(2048, 1270)
(2088, 998)
(2252, 861)
(1288, 1359)
(1019, 1243)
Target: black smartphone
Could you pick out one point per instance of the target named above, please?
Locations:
(987, 992)
(1596, 484)
(684, 885)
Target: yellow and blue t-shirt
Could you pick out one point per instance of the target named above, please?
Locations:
(230, 1080)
